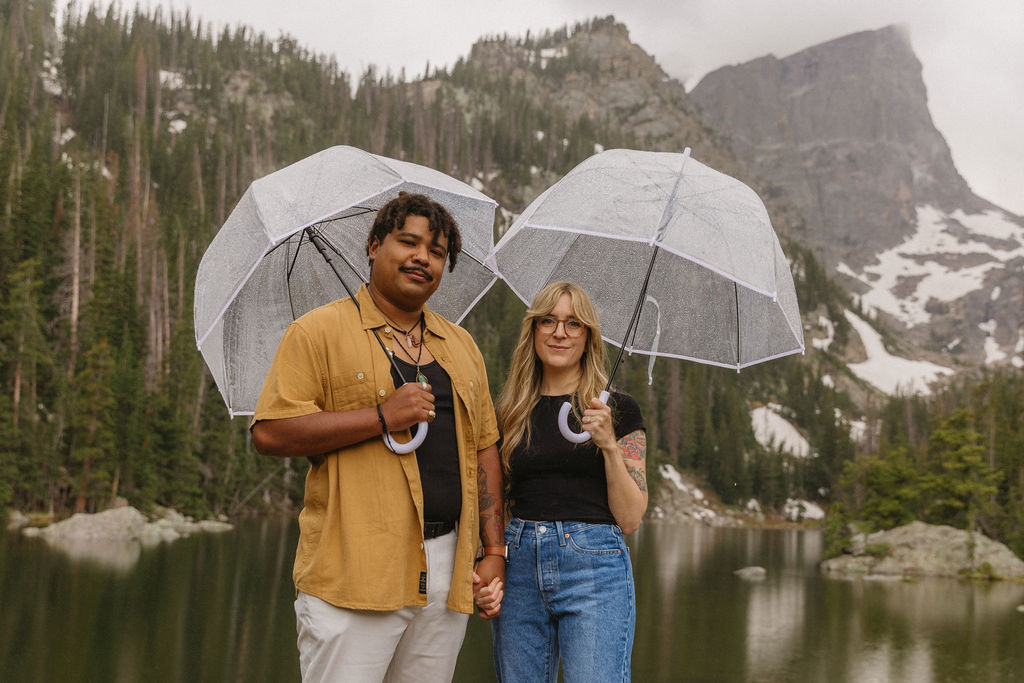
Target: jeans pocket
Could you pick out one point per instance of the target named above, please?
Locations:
(595, 540)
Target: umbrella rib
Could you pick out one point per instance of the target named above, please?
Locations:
(736, 298)
(663, 222)
(340, 255)
(705, 361)
(633, 320)
(288, 277)
(704, 264)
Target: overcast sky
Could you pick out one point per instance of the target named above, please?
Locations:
(972, 52)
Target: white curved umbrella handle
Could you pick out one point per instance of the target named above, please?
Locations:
(563, 422)
(411, 445)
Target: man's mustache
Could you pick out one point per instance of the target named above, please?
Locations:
(414, 269)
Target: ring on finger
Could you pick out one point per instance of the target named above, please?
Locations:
(431, 415)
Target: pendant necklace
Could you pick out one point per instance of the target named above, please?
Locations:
(413, 342)
(409, 339)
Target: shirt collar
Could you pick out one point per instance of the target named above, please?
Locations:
(372, 318)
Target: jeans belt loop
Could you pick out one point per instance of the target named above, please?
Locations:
(561, 534)
(518, 533)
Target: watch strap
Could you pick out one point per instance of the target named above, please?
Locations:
(499, 550)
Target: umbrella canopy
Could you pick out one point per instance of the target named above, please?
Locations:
(680, 260)
(260, 272)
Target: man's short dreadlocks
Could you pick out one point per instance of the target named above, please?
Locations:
(393, 214)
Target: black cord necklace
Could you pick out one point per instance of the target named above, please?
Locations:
(417, 344)
(409, 339)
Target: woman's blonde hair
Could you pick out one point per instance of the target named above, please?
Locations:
(522, 387)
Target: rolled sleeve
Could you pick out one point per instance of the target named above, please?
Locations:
(294, 385)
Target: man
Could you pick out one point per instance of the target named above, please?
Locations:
(384, 567)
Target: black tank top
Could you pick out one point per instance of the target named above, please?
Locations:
(438, 455)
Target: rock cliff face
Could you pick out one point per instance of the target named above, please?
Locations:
(843, 130)
(602, 74)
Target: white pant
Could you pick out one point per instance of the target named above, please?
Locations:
(410, 644)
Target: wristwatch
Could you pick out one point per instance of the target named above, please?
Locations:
(499, 550)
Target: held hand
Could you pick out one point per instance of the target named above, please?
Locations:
(411, 404)
(488, 596)
(597, 419)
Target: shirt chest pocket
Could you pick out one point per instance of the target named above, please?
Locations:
(466, 392)
(351, 389)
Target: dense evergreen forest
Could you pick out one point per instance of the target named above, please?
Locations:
(127, 137)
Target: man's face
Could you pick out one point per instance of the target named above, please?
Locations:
(407, 266)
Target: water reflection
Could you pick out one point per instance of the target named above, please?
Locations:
(218, 607)
(211, 607)
(697, 621)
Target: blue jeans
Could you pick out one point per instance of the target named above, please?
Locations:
(569, 594)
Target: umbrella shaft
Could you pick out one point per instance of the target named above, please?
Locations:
(633, 321)
(321, 246)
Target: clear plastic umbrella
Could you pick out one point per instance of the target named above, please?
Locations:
(680, 259)
(261, 271)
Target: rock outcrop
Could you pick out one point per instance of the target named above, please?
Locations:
(919, 549)
(114, 538)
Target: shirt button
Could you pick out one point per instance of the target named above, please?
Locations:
(387, 330)
(382, 392)
(470, 382)
(360, 376)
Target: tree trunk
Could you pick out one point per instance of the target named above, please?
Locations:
(197, 165)
(221, 203)
(16, 398)
(76, 268)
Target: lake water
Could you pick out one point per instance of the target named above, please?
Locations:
(218, 608)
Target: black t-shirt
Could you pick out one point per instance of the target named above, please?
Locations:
(556, 480)
(438, 455)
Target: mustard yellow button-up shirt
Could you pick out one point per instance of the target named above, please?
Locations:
(361, 527)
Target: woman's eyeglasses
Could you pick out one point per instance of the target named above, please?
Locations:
(548, 324)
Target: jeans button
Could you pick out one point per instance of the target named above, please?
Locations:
(542, 528)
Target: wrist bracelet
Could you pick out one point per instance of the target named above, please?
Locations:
(499, 550)
(380, 418)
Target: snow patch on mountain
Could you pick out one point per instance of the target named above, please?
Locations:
(825, 342)
(774, 431)
(927, 262)
(889, 373)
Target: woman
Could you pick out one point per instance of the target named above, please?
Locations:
(568, 592)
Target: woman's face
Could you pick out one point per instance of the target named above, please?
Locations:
(559, 339)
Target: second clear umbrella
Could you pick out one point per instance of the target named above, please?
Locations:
(680, 259)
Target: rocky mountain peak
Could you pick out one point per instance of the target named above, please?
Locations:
(843, 130)
(595, 70)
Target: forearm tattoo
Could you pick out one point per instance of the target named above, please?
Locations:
(634, 453)
(490, 511)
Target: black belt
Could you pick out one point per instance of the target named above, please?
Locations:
(435, 529)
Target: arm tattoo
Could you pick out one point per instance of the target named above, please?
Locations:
(492, 523)
(485, 497)
(634, 452)
(639, 478)
(634, 445)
